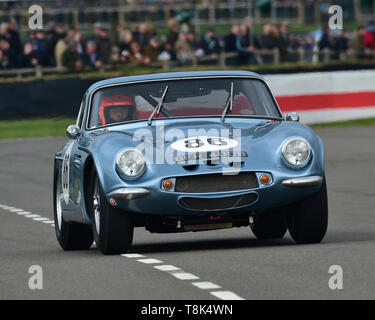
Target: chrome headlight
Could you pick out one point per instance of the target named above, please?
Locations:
(296, 152)
(131, 163)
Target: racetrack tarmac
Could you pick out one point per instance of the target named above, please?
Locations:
(230, 263)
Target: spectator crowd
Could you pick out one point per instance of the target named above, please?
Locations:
(62, 46)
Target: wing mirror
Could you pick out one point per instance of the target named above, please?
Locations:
(73, 131)
(292, 116)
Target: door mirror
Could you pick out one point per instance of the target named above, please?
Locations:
(73, 131)
(292, 116)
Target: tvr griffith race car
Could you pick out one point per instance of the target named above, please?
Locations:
(182, 152)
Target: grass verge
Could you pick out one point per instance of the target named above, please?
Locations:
(14, 129)
(348, 123)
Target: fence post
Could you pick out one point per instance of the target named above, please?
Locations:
(357, 10)
(301, 54)
(327, 55)
(38, 71)
(211, 12)
(301, 12)
(276, 55)
(165, 64)
(315, 57)
(76, 18)
(222, 59)
(194, 60)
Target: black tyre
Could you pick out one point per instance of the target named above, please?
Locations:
(308, 219)
(270, 224)
(113, 228)
(70, 235)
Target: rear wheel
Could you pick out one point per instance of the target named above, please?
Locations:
(70, 235)
(112, 227)
(269, 225)
(308, 219)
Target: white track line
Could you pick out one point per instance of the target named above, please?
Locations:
(184, 276)
(150, 261)
(167, 267)
(205, 285)
(133, 255)
(226, 295)
(32, 216)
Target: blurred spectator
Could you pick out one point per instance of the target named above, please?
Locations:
(341, 44)
(4, 61)
(142, 35)
(14, 43)
(172, 35)
(153, 49)
(368, 40)
(210, 43)
(194, 43)
(115, 59)
(268, 40)
(5, 49)
(356, 44)
(29, 58)
(91, 58)
(103, 44)
(71, 59)
(243, 47)
(230, 41)
(136, 55)
(293, 43)
(40, 48)
(325, 41)
(125, 42)
(182, 43)
(168, 53)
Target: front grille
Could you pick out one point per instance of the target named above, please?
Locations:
(216, 182)
(209, 204)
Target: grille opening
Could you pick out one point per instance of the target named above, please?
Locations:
(216, 182)
(225, 203)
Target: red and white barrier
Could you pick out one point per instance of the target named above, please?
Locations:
(326, 96)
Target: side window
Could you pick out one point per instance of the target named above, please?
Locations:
(81, 112)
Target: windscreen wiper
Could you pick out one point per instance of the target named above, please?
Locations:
(229, 104)
(158, 107)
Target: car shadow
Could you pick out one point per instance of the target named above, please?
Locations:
(212, 244)
(334, 237)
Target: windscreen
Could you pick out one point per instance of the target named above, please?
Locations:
(183, 98)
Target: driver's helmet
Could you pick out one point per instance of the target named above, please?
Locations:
(119, 103)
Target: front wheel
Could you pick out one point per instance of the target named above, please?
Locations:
(70, 235)
(308, 219)
(270, 224)
(112, 227)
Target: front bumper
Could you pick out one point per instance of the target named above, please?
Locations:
(152, 199)
(310, 181)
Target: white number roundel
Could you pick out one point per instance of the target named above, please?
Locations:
(203, 144)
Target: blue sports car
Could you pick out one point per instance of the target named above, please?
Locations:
(187, 151)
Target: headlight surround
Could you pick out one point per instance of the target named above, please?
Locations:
(131, 163)
(296, 152)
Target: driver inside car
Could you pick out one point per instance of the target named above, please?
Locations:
(116, 110)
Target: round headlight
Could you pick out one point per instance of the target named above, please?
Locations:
(296, 152)
(131, 163)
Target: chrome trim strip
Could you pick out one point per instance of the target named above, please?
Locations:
(88, 108)
(128, 193)
(310, 181)
(59, 158)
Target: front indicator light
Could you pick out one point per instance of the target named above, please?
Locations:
(265, 179)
